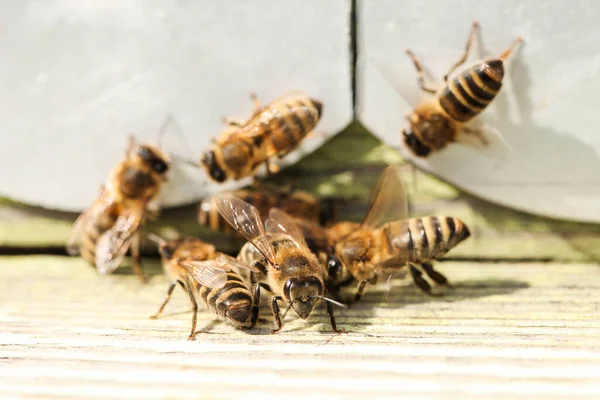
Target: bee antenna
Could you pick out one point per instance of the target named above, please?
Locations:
(286, 311)
(327, 299)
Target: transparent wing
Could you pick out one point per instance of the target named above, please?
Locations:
(207, 273)
(226, 261)
(486, 139)
(245, 219)
(315, 235)
(213, 273)
(388, 199)
(280, 222)
(114, 243)
(100, 206)
(388, 207)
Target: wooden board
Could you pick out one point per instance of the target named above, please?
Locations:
(498, 232)
(508, 330)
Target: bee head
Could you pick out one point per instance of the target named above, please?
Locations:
(414, 143)
(303, 293)
(334, 266)
(212, 166)
(152, 159)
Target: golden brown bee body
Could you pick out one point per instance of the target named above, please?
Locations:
(110, 227)
(438, 121)
(288, 270)
(296, 203)
(272, 130)
(209, 276)
(386, 243)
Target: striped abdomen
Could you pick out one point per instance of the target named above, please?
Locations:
(469, 93)
(92, 233)
(429, 238)
(232, 301)
(286, 122)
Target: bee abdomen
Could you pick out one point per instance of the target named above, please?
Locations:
(90, 239)
(295, 118)
(233, 301)
(432, 237)
(469, 93)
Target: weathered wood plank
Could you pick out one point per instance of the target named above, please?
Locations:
(506, 330)
(345, 169)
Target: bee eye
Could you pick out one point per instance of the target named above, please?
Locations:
(159, 166)
(334, 267)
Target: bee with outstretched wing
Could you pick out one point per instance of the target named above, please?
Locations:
(111, 226)
(213, 278)
(288, 269)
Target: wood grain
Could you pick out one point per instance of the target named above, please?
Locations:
(345, 169)
(507, 330)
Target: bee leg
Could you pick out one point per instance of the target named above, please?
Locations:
(258, 106)
(255, 306)
(194, 311)
(361, 290)
(436, 276)
(137, 257)
(164, 304)
(420, 281)
(332, 319)
(272, 168)
(233, 121)
(420, 72)
(465, 54)
(275, 309)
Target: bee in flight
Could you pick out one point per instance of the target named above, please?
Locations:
(111, 226)
(386, 242)
(288, 269)
(444, 118)
(273, 130)
(295, 203)
(212, 277)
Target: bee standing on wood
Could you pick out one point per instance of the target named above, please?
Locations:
(296, 203)
(443, 118)
(111, 226)
(288, 269)
(210, 276)
(386, 242)
(272, 130)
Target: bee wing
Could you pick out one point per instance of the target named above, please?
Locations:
(208, 273)
(103, 203)
(388, 199)
(388, 208)
(280, 222)
(245, 219)
(228, 261)
(315, 235)
(486, 139)
(114, 243)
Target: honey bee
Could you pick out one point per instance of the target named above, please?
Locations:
(288, 269)
(296, 203)
(443, 119)
(208, 275)
(272, 130)
(111, 226)
(386, 242)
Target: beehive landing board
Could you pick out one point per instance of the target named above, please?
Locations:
(497, 232)
(78, 78)
(507, 330)
(545, 110)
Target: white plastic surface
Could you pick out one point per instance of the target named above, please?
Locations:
(547, 109)
(77, 77)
